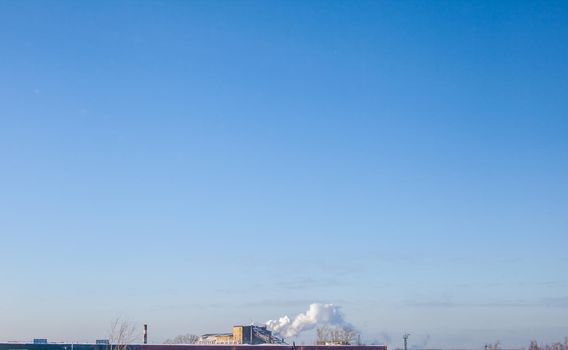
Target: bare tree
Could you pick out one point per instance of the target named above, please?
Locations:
(322, 335)
(183, 339)
(494, 346)
(338, 335)
(345, 336)
(122, 333)
(554, 346)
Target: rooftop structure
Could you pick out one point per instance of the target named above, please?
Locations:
(242, 335)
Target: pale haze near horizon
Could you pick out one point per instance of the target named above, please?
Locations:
(194, 165)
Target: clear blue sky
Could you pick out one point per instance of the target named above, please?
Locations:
(198, 164)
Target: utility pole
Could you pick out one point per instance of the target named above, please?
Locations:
(405, 337)
(145, 334)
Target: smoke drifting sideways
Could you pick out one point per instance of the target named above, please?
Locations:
(317, 315)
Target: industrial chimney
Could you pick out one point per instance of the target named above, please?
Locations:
(145, 334)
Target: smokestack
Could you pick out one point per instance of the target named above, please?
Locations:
(145, 334)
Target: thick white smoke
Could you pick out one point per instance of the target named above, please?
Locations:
(317, 315)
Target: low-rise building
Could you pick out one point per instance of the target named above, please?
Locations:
(242, 335)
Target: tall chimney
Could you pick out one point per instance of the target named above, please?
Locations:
(145, 334)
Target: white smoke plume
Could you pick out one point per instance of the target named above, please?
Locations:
(317, 315)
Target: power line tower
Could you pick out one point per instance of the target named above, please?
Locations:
(405, 337)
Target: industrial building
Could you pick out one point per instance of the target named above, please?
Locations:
(252, 335)
(75, 346)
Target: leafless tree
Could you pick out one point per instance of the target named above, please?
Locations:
(345, 336)
(554, 346)
(183, 339)
(321, 335)
(122, 333)
(494, 346)
(338, 335)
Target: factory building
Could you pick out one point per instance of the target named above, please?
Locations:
(242, 335)
(69, 346)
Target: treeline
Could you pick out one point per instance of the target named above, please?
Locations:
(554, 346)
(534, 345)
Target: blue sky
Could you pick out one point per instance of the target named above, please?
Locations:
(198, 164)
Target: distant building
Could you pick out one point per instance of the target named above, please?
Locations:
(216, 338)
(242, 335)
(40, 341)
(91, 346)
